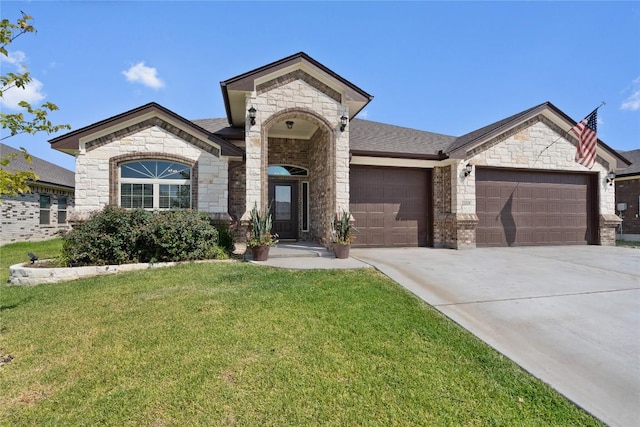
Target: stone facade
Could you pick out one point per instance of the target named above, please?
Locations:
(97, 168)
(299, 96)
(21, 215)
(536, 144)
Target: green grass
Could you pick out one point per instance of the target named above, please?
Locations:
(628, 244)
(239, 344)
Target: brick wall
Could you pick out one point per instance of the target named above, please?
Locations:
(21, 216)
(628, 191)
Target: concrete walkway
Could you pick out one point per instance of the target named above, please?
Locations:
(304, 256)
(569, 315)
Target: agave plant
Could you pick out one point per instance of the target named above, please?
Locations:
(343, 230)
(260, 228)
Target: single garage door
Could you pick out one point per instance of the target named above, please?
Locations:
(391, 206)
(527, 208)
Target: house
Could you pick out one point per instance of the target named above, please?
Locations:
(43, 212)
(291, 140)
(628, 197)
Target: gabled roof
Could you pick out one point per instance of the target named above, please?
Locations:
(634, 157)
(234, 90)
(368, 137)
(48, 173)
(477, 137)
(70, 142)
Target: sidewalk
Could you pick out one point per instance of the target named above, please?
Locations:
(304, 256)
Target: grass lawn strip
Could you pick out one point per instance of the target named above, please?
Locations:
(239, 344)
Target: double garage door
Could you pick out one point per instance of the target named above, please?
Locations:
(529, 208)
(391, 206)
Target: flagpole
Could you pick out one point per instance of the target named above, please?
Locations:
(567, 132)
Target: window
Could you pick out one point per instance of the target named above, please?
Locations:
(45, 210)
(284, 170)
(62, 209)
(155, 184)
(305, 206)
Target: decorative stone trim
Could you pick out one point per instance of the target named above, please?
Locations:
(607, 231)
(299, 75)
(146, 124)
(116, 161)
(24, 275)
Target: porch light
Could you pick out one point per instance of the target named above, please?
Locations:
(289, 124)
(468, 169)
(343, 122)
(611, 177)
(252, 115)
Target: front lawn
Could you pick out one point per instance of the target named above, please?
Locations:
(239, 344)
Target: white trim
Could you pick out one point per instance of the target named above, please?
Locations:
(403, 163)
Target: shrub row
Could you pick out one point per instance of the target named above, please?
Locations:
(119, 236)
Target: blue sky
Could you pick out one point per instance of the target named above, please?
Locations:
(446, 67)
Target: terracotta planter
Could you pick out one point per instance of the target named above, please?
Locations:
(260, 253)
(341, 250)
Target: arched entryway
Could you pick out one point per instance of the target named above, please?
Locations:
(298, 158)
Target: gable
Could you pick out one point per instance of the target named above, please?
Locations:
(299, 66)
(473, 143)
(144, 117)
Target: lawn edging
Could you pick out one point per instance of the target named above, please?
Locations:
(26, 275)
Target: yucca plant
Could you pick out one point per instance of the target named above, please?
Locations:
(260, 228)
(343, 230)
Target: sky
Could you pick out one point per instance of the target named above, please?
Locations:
(444, 67)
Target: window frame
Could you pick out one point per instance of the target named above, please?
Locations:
(46, 209)
(155, 183)
(62, 210)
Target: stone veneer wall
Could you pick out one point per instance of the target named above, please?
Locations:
(21, 216)
(536, 144)
(94, 189)
(288, 98)
(321, 188)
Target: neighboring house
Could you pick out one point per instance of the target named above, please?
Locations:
(628, 197)
(41, 213)
(291, 141)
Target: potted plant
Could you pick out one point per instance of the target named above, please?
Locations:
(343, 235)
(260, 234)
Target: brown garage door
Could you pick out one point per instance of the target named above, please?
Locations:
(526, 208)
(391, 206)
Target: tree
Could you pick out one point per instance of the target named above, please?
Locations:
(29, 120)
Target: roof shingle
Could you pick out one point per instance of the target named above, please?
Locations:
(47, 172)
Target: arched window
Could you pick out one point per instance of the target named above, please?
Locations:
(155, 184)
(285, 170)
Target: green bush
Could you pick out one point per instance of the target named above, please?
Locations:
(226, 239)
(118, 236)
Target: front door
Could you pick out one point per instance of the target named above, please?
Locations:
(283, 200)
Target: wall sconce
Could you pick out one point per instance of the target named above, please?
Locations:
(468, 169)
(343, 122)
(611, 177)
(289, 124)
(252, 115)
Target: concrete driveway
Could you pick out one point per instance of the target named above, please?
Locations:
(569, 315)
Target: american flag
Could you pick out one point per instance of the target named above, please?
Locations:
(586, 132)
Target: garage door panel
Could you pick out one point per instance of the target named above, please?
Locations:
(394, 207)
(533, 208)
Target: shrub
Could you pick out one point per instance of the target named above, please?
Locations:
(117, 236)
(226, 238)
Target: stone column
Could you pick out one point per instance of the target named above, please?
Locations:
(607, 230)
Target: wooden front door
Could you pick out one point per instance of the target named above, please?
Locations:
(283, 199)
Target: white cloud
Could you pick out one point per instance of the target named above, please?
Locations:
(633, 101)
(147, 76)
(16, 58)
(31, 92)
(363, 115)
